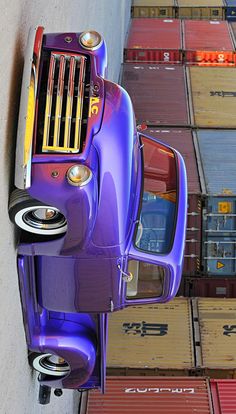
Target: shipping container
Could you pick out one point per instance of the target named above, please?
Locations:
(212, 93)
(200, 9)
(216, 154)
(215, 339)
(151, 340)
(211, 287)
(224, 396)
(154, 40)
(158, 93)
(233, 28)
(149, 395)
(208, 43)
(182, 140)
(230, 11)
(153, 8)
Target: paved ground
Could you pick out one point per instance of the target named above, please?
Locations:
(19, 388)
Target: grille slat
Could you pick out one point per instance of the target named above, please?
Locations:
(69, 102)
(64, 107)
(58, 111)
(48, 108)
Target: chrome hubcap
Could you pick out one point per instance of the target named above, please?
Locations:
(44, 218)
(54, 363)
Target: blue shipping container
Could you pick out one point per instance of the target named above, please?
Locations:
(230, 12)
(216, 157)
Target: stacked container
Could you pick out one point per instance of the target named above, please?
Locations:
(153, 8)
(138, 395)
(158, 93)
(186, 337)
(230, 12)
(218, 181)
(207, 42)
(159, 41)
(201, 9)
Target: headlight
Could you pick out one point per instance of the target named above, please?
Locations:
(90, 40)
(79, 175)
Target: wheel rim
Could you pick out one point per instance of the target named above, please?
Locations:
(51, 365)
(44, 218)
(41, 220)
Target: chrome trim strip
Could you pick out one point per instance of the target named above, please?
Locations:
(69, 101)
(48, 107)
(27, 108)
(60, 90)
(79, 108)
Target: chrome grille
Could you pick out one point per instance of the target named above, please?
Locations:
(63, 103)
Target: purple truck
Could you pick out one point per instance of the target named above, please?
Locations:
(101, 206)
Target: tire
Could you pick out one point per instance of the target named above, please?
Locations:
(35, 217)
(49, 364)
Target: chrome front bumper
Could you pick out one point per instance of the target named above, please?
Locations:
(27, 108)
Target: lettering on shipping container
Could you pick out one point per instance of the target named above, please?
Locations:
(145, 329)
(161, 390)
(223, 94)
(229, 329)
(166, 57)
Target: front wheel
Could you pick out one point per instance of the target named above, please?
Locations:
(49, 364)
(35, 217)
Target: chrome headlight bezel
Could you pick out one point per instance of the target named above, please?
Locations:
(90, 40)
(79, 175)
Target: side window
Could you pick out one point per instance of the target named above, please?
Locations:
(147, 281)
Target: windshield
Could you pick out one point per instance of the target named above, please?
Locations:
(156, 224)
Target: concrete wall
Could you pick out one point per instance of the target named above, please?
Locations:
(18, 393)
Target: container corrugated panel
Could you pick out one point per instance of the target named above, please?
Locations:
(218, 175)
(209, 287)
(153, 8)
(182, 140)
(139, 395)
(153, 339)
(208, 43)
(213, 96)
(154, 40)
(191, 9)
(230, 12)
(218, 182)
(219, 255)
(216, 353)
(158, 93)
(223, 396)
(233, 27)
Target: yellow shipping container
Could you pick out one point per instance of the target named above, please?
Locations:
(201, 9)
(153, 8)
(212, 94)
(152, 337)
(217, 341)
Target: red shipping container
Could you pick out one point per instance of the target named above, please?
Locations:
(211, 287)
(162, 395)
(224, 396)
(207, 43)
(154, 40)
(182, 140)
(158, 93)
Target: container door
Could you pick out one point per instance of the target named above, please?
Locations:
(220, 216)
(220, 256)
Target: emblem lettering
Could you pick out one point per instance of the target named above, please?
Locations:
(93, 106)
